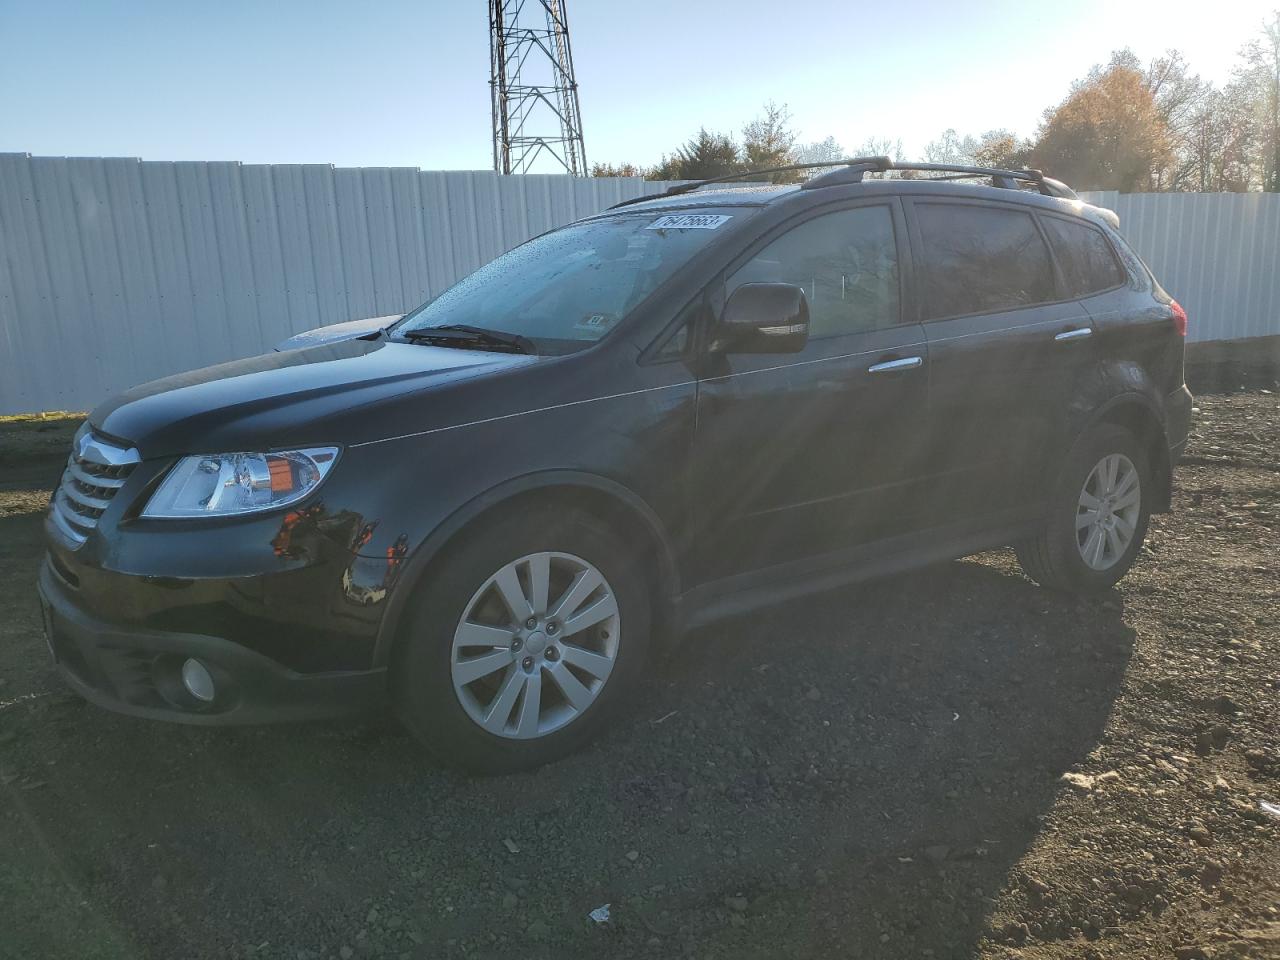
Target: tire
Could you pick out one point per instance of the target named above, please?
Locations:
(1064, 556)
(435, 654)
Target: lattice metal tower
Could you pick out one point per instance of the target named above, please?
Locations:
(535, 98)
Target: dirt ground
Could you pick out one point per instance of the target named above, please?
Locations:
(952, 763)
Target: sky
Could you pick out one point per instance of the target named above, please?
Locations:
(405, 82)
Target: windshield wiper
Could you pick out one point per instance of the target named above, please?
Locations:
(464, 335)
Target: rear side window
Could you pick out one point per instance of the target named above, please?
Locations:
(982, 259)
(1087, 261)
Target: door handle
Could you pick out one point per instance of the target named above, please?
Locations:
(906, 363)
(1077, 334)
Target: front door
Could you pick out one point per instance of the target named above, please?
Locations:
(801, 454)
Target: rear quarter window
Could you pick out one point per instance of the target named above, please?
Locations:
(1088, 263)
(981, 259)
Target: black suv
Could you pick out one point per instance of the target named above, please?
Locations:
(679, 409)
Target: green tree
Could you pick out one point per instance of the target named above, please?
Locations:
(768, 141)
(618, 170)
(668, 168)
(704, 156)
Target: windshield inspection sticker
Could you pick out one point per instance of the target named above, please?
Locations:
(596, 323)
(689, 221)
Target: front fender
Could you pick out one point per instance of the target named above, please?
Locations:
(416, 564)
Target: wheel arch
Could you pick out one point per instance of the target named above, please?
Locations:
(614, 503)
(1143, 418)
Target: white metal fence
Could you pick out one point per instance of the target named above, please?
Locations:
(114, 271)
(1217, 253)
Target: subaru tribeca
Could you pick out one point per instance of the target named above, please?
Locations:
(678, 409)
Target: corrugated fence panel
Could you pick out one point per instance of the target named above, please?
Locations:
(263, 224)
(379, 212)
(1217, 253)
(353, 230)
(179, 347)
(145, 331)
(114, 271)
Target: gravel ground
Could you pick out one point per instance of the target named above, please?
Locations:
(952, 763)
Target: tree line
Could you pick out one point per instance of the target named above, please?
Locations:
(1126, 125)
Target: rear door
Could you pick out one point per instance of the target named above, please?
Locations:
(1005, 341)
(1130, 324)
(801, 454)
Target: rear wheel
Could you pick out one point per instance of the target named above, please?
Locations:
(522, 641)
(1098, 514)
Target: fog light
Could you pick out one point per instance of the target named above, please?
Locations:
(196, 678)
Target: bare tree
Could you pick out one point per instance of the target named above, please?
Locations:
(819, 151)
(1259, 81)
(880, 147)
(950, 147)
(1179, 96)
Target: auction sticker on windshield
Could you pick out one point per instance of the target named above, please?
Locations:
(689, 221)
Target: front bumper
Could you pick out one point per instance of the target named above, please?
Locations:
(137, 670)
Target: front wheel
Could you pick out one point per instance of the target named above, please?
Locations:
(1098, 515)
(522, 640)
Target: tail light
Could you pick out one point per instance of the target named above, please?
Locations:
(1179, 318)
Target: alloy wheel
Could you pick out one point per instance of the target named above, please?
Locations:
(535, 645)
(1107, 511)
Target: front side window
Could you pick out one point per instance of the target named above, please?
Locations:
(846, 262)
(982, 259)
(1088, 265)
(565, 290)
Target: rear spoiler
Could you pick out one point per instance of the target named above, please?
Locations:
(1109, 217)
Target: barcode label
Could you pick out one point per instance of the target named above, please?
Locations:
(689, 221)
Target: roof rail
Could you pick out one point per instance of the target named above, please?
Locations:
(679, 188)
(852, 170)
(1008, 179)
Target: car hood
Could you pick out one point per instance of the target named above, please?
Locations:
(344, 392)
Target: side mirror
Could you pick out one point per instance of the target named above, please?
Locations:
(764, 318)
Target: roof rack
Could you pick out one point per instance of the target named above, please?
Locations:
(1008, 179)
(853, 169)
(692, 185)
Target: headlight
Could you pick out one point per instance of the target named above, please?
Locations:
(227, 484)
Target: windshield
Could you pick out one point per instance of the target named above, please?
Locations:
(567, 289)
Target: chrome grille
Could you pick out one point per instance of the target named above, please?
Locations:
(96, 470)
